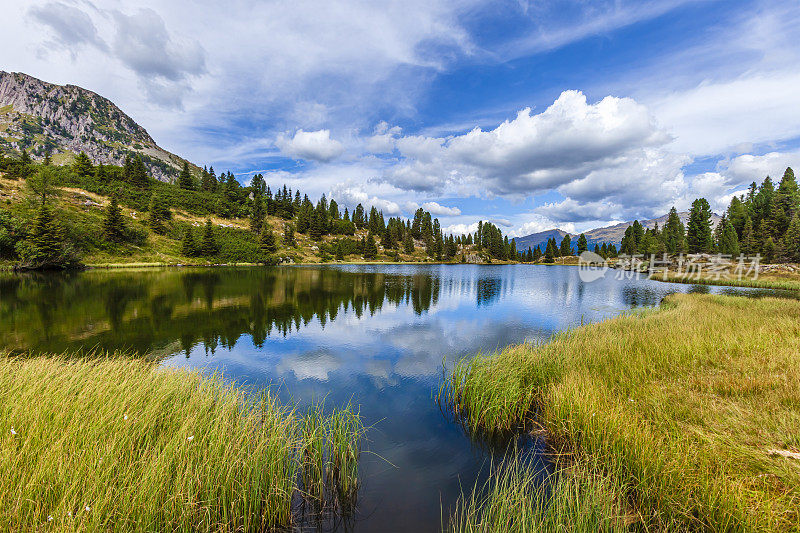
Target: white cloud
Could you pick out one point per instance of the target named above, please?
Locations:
(747, 168)
(352, 196)
(532, 152)
(437, 209)
(313, 145)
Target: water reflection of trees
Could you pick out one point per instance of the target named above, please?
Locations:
(156, 309)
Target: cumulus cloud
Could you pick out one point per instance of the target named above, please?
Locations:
(352, 196)
(437, 209)
(532, 152)
(313, 145)
(747, 168)
(71, 27)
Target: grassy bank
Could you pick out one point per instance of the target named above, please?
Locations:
(765, 281)
(682, 418)
(115, 444)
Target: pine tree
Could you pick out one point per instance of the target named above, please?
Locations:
(566, 246)
(408, 243)
(208, 247)
(139, 176)
(288, 235)
(257, 213)
(267, 242)
(769, 250)
(728, 243)
(159, 212)
(189, 246)
(699, 238)
(748, 246)
(583, 245)
(185, 180)
(370, 248)
(549, 252)
(113, 224)
(339, 253)
(82, 166)
(45, 248)
(674, 233)
(791, 241)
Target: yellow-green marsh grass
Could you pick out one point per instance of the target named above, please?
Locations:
(115, 444)
(685, 408)
(785, 282)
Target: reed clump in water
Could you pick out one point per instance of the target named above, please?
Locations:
(691, 412)
(111, 443)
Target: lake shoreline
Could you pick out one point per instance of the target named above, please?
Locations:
(145, 433)
(656, 413)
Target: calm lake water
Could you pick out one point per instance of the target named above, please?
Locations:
(376, 336)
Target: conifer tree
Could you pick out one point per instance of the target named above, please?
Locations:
(408, 243)
(791, 241)
(185, 180)
(549, 252)
(113, 224)
(566, 246)
(288, 235)
(159, 212)
(728, 243)
(45, 248)
(267, 241)
(189, 246)
(257, 213)
(209, 247)
(769, 250)
(82, 166)
(748, 246)
(139, 173)
(674, 233)
(699, 238)
(583, 245)
(370, 248)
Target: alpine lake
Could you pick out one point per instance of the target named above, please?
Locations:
(376, 336)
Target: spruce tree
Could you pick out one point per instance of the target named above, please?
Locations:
(257, 213)
(208, 246)
(370, 248)
(113, 224)
(45, 247)
(748, 246)
(267, 241)
(82, 166)
(139, 176)
(159, 212)
(549, 253)
(288, 235)
(408, 243)
(566, 246)
(699, 238)
(791, 241)
(185, 180)
(769, 250)
(674, 233)
(583, 245)
(189, 246)
(728, 242)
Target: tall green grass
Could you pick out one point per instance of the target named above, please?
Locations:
(679, 408)
(114, 444)
(768, 282)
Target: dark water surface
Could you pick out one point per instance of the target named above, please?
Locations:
(376, 336)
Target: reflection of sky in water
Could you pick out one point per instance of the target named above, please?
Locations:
(387, 362)
(390, 364)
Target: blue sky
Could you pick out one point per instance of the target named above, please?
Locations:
(539, 114)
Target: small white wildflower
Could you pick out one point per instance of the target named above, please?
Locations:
(125, 417)
(190, 438)
(49, 518)
(630, 400)
(12, 431)
(69, 514)
(87, 508)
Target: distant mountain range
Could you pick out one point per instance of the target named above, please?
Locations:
(609, 234)
(63, 120)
